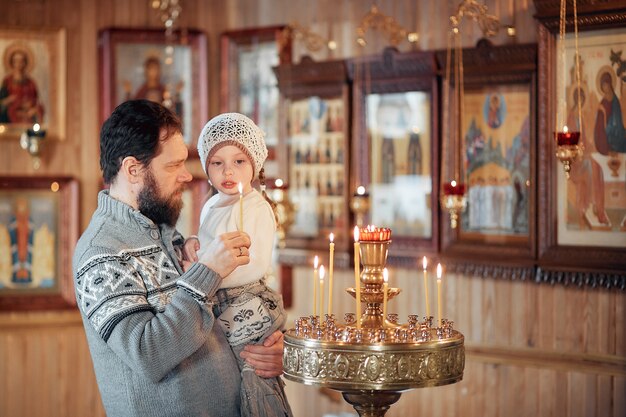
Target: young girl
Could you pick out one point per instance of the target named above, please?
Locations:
(232, 150)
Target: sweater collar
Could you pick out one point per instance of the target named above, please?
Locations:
(121, 212)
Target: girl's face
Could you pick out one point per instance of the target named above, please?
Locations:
(227, 168)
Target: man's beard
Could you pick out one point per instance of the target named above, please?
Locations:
(158, 209)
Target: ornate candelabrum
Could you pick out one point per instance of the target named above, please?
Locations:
(373, 359)
(454, 201)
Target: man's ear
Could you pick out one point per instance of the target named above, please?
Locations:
(132, 169)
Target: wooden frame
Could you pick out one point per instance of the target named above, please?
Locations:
(39, 221)
(579, 263)
(314, 113)
(407, 80)
(138, 63)
(247, 82)
(43, 100)
(498, 154)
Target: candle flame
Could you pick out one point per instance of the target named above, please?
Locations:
(316, 261)
(453, 183)
(36, 127)
(439, 271)
(356, 234)
(425, 263)
(322, 272)
(385, 275)
(331, 237)
(240, 188)
(565, 129)
(360, 190)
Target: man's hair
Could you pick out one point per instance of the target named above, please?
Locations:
(134, 129)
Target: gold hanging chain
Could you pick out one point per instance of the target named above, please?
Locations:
(561, 58)
(578, 75)
(446, 105)
(563, 63)
(461, 107)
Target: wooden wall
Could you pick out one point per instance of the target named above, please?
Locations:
(531, 349)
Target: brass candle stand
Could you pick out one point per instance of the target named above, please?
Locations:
(373, 361)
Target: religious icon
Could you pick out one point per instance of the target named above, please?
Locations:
(19, 95)
(593, 208)
(27, 243)
(497, 161)
(32, 81)
(154, 89)
(399, 130)
(145, 64)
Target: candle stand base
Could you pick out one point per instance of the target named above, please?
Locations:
(454, 204)
(568, 154)
(371, 403)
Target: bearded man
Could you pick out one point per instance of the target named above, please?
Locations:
(148, 318)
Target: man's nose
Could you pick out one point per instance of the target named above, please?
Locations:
(185, 175)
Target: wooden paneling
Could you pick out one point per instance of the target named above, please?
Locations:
(532, 349)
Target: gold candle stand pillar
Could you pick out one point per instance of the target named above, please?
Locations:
(374, 258)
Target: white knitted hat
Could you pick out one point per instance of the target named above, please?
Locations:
(233, 129)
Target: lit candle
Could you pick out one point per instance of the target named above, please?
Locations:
(425, 265)
(385, 287)
(330, 274)
(322, 273)
(453, 188)
(315, 272)
(357, 281)
(567, 138)
(240, 188)
(439, 292)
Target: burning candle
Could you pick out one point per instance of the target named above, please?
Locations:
(567, 138)
(425, 265)
(330, 274)
(315, 275)
(240, 188)
(357, 281)
(453, 188)
(360, 192)
(385, 288)
(322, 273)
(439, 272)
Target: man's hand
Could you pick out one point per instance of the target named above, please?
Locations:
(267, 360)
(227, 252)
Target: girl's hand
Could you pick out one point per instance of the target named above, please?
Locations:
(191, 248)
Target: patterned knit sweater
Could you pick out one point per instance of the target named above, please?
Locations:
(150, 327)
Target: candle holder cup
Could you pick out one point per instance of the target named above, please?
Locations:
(453, 200)
(568, 149)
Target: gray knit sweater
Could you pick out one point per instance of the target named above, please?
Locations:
(150, 328)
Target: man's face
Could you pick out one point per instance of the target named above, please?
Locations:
(160, 199)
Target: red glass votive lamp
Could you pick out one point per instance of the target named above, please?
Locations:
(566, 138)
(453, 188)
